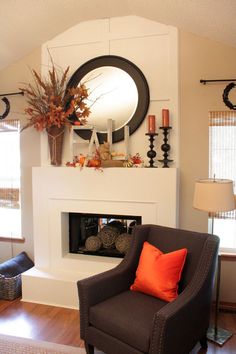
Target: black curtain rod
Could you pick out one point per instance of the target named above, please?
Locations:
(223, 80)
(12, 93)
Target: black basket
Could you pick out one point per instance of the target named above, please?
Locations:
(10, 275)
(10, 288)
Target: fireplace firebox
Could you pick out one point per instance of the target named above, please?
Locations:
(101, 234)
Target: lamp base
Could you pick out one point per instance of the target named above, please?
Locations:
(218, 335)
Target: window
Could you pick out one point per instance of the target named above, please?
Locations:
(222, 164)
(10, 211)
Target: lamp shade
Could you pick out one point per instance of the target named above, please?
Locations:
(214, 195)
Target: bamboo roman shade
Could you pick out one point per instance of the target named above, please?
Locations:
(222, 149)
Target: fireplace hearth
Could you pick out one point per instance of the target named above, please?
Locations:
(106, 235)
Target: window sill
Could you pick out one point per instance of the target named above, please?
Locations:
(12, 239)
(227, 256)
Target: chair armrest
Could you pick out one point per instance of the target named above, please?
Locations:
(99, 287)
(190, 312)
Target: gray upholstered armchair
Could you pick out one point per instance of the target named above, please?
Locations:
(116, 320)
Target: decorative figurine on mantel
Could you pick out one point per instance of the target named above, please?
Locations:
(104, 151)
(109, 158)
(106, 156)
(151, 154)
(165, 147)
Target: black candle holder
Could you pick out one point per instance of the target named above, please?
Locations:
(165, 147)
(151, 154)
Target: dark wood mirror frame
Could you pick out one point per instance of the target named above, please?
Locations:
(140, 82)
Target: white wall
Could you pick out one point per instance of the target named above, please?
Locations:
(201, 58)
(153, 47)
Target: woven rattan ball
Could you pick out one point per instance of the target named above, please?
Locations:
(118, 225)
(108, 236)
(123, 243)
(93, 243)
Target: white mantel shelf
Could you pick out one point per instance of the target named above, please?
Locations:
(148, 192)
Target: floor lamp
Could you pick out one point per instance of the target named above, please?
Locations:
(212, 196)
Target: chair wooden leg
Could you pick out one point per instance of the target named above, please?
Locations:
(203, 342)
(89, 348)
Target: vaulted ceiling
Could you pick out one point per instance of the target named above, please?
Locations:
(26, 24)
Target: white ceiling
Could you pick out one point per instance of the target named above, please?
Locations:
(26, 24)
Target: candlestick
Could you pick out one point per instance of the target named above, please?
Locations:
(151, 153)
(165, 118)
(165, 147)
(151, 124)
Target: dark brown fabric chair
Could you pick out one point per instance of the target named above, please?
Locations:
(116, 320)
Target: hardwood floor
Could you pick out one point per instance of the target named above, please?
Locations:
(41, 322)
(60, 325)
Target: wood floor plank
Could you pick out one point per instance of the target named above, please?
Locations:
(42, 322)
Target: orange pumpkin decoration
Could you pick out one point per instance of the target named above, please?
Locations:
(94, 163)
(81, 160)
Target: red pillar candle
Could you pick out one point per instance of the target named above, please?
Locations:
(165, 118)
(151, 124)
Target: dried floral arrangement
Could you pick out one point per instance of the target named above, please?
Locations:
(49, 104)
(96, 161)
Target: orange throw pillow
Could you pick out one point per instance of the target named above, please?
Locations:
(158, 274)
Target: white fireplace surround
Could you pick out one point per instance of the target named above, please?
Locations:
(148, 192)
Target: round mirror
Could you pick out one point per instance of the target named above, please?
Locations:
(118, 90)
(113, 94)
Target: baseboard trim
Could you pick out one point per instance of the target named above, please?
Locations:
(227, 307)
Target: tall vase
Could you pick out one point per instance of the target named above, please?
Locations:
(55, 141)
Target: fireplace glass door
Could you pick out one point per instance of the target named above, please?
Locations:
(101, 234)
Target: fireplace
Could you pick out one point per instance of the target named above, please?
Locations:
(106, 235)
(116, 193)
